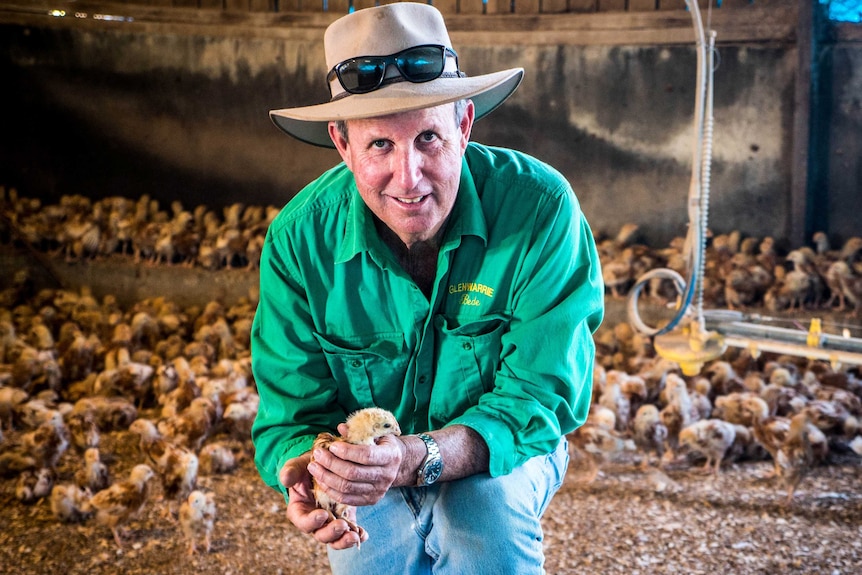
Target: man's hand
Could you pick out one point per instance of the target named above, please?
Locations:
(303, 512)
(358, 474)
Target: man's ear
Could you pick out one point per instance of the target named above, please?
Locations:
(467, 124)
(340, 142)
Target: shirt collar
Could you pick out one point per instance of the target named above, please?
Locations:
(467, 218)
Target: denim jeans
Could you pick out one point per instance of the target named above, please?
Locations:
(479, 524)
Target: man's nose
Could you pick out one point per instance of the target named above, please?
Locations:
(408, 169)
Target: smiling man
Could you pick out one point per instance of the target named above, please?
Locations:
(454, 284)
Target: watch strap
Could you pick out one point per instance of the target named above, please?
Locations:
(432, 465)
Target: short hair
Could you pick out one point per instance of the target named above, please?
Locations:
(460, 108)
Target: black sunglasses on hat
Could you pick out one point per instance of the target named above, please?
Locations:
(418, 64)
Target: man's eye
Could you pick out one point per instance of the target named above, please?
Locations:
(428, 136)
(378, 144)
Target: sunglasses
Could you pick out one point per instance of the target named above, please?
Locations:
(417, 64)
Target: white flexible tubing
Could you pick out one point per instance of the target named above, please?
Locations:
(706, 172)
(695, 243)
(695, 212)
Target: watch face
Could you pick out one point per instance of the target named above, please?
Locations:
(432, 471)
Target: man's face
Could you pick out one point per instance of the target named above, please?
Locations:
(407, 166)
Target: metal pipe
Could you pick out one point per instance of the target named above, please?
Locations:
(743, 330)
(832, 355)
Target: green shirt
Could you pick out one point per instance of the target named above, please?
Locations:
(504, 346)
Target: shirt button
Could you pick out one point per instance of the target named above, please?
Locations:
(356, 363)
(422, 379)
(468, 346)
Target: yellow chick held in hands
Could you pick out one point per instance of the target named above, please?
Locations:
(364, 427)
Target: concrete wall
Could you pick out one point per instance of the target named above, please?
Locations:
(178, 110)
(841, 139)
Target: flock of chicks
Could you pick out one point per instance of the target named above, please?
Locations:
(739, 272)
(79, 228)
(73, 368)
(794, 411)
(177, 382)
(743, 272)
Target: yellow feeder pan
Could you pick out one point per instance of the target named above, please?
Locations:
(689, 350)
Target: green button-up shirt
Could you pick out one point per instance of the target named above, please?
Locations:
(503, 346)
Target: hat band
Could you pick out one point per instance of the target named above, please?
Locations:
(417, 64)
(396, 79)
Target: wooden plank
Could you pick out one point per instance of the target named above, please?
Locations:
(185, 3)
(261, 5)
(312, 5)
(582, 5)
(289, 5)
(499, 6)
(704, 4)
(360, 4)
(612, 5)
(526, 6)
(671, 5)
(553, 6)
(758, 23)
(211, 4)
(446, 7)
(738, 3)
(338, 6)
(642, 5)
(239, 5)
(470, 7)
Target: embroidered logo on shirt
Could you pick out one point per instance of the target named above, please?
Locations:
(471, 291)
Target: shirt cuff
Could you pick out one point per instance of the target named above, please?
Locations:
(499, 439)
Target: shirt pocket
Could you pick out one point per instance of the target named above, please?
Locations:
(469, 352)
(368, 370)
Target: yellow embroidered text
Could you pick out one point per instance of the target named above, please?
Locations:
(471, 287)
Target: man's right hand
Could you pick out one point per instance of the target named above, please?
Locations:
(303, 512)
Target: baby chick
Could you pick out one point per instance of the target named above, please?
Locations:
(191, 427)
(83, 430)
(710, 437)
(110, 413)
(197, 514)
(795, 457)
(650, 433)
(122, 502)
(48, 442)
(176, 466)
(216, 458)
(596, 441)
(615, 399)
(34, 485)
(10, 398)
(94, 475)
(769, 431)
(364, 427)
(677, 414)
(730, 407)
(239, 416)
(68, 502)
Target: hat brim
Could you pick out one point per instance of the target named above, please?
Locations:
(310, 123)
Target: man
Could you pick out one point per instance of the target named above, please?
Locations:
(453, 284)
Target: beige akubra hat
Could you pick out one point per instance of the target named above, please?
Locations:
(389, 59)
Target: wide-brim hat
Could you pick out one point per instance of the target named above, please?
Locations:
(382, 31)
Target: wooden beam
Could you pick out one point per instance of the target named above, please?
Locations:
(756, 23)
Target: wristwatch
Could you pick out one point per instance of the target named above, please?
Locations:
(432, 466)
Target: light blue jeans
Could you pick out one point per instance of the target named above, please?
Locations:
(471, 526)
